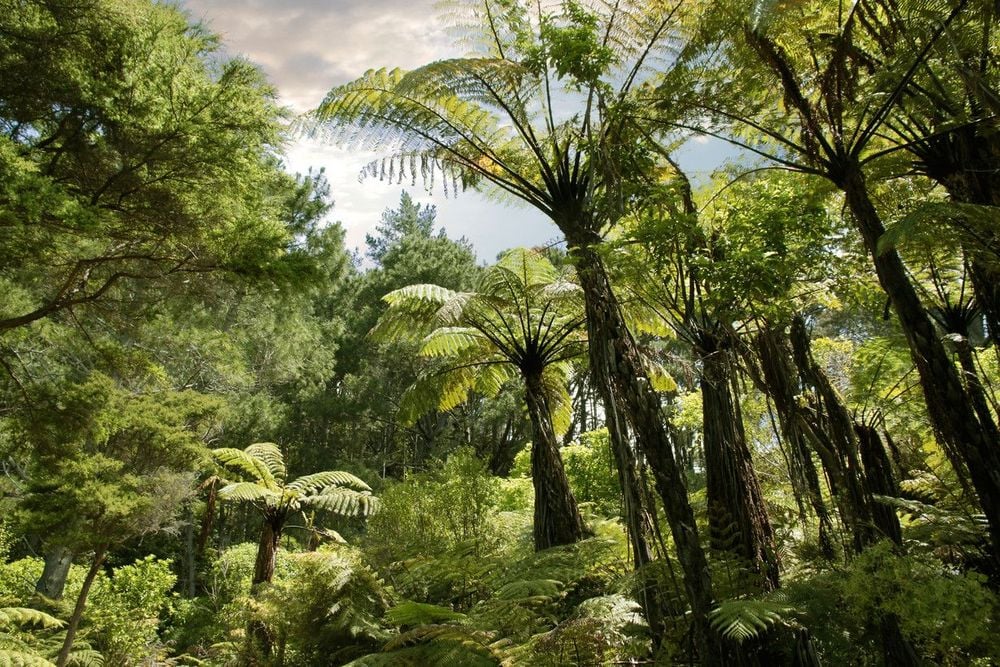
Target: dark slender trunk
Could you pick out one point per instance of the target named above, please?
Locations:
(880, 481)
(831, 430)
(867, 520)
(625, 386)
(977, 394)
(53, 580)
(952, 415)
(737, 515)
(557, 518)
(635, 516)
(81, 602)
(778, 378)
(259, 638)
(508, 444)
(207, 518)
(189, 555)
(964, 161)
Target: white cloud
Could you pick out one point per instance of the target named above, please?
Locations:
(308, 46)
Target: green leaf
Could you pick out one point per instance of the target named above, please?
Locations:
(23, 616)
(328, 478)
(420, 613)
(746, 619)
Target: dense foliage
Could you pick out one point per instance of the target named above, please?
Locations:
(745, 419)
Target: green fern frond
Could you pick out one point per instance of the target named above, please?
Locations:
(451, 341)
(448, 640)
(250, 492)
(328, 478)
(419, 613)
(420, 293)
(12, 658)
(248, 464)
(25, 617)
(344, 502)
(659, 376)
(530, 589)
(270, 454)
(527, 267)
(745, 619)
(491, 379)
(85, 657)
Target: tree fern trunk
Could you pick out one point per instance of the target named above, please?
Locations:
(267, 549)
(625, 386)
(634, 513)
(735, 501)
(779, 380)
(557, 518)
(954, 420)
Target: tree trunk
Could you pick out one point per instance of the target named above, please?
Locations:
(81, 602)
(557, 518)
(778, 379)
(831, 430)
(53, 580)
(880, 481)
(635, 516)
(625, 387)
(267, 549)
(954, 420)
(737, 515)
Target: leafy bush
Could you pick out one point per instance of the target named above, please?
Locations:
(326, 609)
(126, 611)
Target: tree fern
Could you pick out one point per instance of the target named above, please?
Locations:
(23, 616)
(419, 613)
(266, 489)
(744, 619)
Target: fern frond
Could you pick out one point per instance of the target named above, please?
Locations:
(269, 453)
(491, 379)
(85, 657)
(420, 293)
(249, 465)
(344, 502)
(250, 492)
(328, 478)
(744, 619)
(659, 376)
(451, 341)
(530, 589)
(420, 613)
(12, 658)
(25, 617)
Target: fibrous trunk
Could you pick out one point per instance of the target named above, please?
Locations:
(635, 515)
(737, 515)
(625, 387)
(779, 380)
(956, 423)
(557, 518)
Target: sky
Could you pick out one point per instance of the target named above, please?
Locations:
(306, 47)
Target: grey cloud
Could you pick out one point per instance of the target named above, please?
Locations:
(308, 46)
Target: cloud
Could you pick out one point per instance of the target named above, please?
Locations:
(308, 46)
